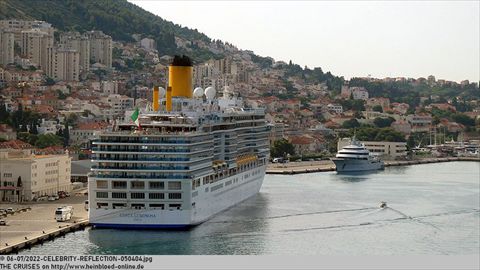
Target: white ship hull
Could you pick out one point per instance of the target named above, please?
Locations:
(204, 205)
(352, 165)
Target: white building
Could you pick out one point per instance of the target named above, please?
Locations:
(119, 104)
(63, 64)
(335, 107)
(420, 123)
(25, 176)
(84, 132)
(49, 127)
(35, 46)
(148, 44)
(17, 26)
(359, 93)
(80, 43)
(100, 48)
(109, 87)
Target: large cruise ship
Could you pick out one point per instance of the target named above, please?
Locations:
(178, 162)
(356, 157)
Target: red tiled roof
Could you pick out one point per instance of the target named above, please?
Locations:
(92, 126)
(15, 144)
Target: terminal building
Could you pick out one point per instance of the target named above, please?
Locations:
(25, 176)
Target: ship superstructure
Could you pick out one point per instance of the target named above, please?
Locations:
(191, 156)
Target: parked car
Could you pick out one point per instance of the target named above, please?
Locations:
(43, 198)
(3, 222)
(51, 198)
(10, 210)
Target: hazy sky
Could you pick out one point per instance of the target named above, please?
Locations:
(384, 39)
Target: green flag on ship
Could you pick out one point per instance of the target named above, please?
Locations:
(135, 117)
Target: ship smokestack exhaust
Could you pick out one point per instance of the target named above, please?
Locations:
(155, 103)
(180, 77)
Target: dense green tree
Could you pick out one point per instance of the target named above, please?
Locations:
(463, 119)
(383, 122)
(27, 137)
(46, 140)
(410, 142)
(49, 81)
(66, 136)
(377, 108)
(281, 148)
(351, 104)
(71, 120)
(379, 134)
(352, 123)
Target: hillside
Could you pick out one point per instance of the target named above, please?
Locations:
(117, 18)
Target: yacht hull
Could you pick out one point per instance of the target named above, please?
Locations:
(351, 165)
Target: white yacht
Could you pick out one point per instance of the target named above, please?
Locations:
(180, 161)
(356, 157)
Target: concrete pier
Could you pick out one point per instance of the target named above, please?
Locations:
(36, 223)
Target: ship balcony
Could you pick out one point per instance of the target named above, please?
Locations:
(136, 177)
(95, 150)
(150, 168)
(140, 143)
(150, 160)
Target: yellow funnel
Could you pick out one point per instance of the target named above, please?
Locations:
(180, 80)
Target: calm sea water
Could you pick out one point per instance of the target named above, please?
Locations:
(433, 210)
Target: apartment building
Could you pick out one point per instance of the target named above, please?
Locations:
(81, 44)
(35, 46)
(17, 26)
(26, 176)
(63, 64)
(84, 132)
(119, 104)
(420, 122)
(6, 47)
(100, 48)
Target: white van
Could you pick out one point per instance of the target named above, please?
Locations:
(64, 213)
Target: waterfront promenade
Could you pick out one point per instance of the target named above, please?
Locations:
(37, 222)
(328, 165)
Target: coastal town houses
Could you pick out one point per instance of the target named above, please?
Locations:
(307, 143)
(420, 122)
(84, 132)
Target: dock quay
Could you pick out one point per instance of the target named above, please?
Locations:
(47, 236)
(34, 223)
(327, 165)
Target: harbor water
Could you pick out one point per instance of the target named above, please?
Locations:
(432, 209)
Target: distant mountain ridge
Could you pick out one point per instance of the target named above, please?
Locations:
(117, 18)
